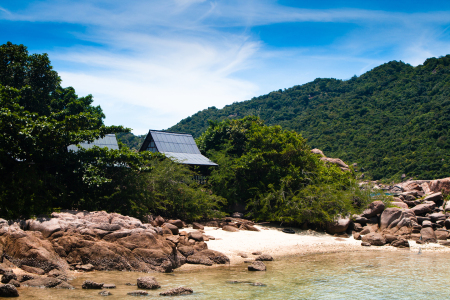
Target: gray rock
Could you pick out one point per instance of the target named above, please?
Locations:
(177, 291)
(338, 226)
(436, 197)
(148, 283)
(171, 227)
(374, 239)
(434, 217)
(375, 208)
(8, 290)
(257, 266)
(428, 235)
(88, 284)
(264, 257)
(424, 208)
(196, 235)
(427, 224)
(46, 282)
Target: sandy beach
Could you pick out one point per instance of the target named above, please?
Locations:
(271, 240)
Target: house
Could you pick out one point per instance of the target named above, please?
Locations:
(180, 147)
(109, 141)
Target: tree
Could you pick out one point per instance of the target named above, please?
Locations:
(273, 172)
(38, 120)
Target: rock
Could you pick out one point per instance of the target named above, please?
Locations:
(159, 220)
(14, 283)
(47, 282)
(8, 276)
(343, 166)
(186, 250)
(105, 293)
(356, 235)
(338, 226)
(208, 257)
(390, 238)
(47, 228)
(197, 226)
(401, 243)
(374, 239)
(257, 266)
(424, 208)
(257, 253)
(428, 235)
(138, 293)
(400, 204)
(375, 208)
(237, 215)
(441, 234)
(4, 269)
(395, 219)
(88, 284)
(288, 230)
(196, 235)
(25, 277)
(171, 227)
(436, 197)
(177, 291)
(64, 285)
(33, 270)
(444, 243)
(420, 219)
(427, 224)
(109, 286)
(148, 283)
(264, 257)
(230, 228)
(212, 224)
(177, 223)
(434, 217)
(317, 151)
(243, 255)
(8, 290)
(257, 284)
(365, 244)
(86, 268)
(249, 227)
(439, 185)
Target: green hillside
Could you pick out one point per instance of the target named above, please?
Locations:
(391, 120)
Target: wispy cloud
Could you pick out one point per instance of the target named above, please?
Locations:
(153, 63)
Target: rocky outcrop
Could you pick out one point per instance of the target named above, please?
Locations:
(88, 241)
(336, 161)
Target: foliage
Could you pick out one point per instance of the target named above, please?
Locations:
(390, 120)
(274, 173)
(130, 140)
(172, 192)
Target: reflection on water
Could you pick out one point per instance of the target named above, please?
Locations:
(370, 275)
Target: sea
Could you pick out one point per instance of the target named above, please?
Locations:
(402, 274)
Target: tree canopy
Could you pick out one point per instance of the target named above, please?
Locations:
(273, 172)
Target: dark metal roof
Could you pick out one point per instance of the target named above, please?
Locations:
(178, 146)
(109, 141)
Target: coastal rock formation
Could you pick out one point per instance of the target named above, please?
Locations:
(88, 241)
(342, 165)
(177, 291)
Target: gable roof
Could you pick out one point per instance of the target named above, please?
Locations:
(178, 146)
(109, 141)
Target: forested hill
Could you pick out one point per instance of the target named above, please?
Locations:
(391, 120)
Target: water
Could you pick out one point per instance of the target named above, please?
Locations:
(368, 275)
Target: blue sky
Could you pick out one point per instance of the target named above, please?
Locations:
(150, 64)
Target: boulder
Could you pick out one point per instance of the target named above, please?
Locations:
(177, 223)
(230, 228)
(400, 204)
(85, 268)
(428, 235)
(148, 283)
(177, 291)
(439, 185)
(159, 220)
(375, 208)
(109, 286)
(365, 244)
(356, 235)
(14, 283)
(423, 208)
(257, 266)
(171, 227)
(208, 257)
(264, 257)
(8, 276)
(196, 235)
(447, 223)
(427, 224)
(47, 228)
(389, 216)
(374, 239)
(400, 243)
(317, 151)
(434, 217)
(186, 250)
(436, 197)
(441, 234)
(88, 284)
(237, 215)
(198, 226)
(46, 282)
(25, 277)
(338, 226)
(33, 270)
(8, 290)
(336, 161)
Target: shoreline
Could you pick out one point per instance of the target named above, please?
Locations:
(271, 240)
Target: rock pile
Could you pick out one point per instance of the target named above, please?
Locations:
(86, 241)
(419, 215)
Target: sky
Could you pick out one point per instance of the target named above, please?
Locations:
(150, 64)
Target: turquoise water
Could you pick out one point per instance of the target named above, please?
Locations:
(368, 275)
